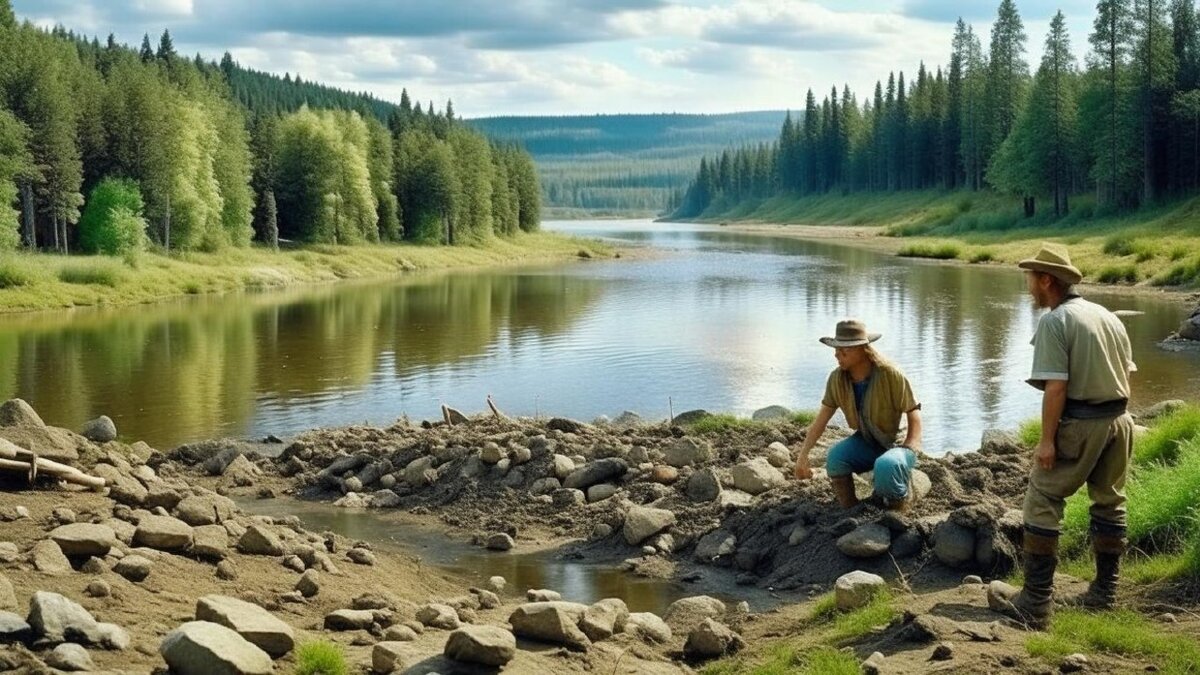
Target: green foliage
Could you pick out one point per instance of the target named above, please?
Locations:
(1114, 274)
(935, 251)
(982, 257)
(320, 658)
(717, 424)
(99, 272)
(15, 272)
(15, 162)
(112, 222)
(1168, 435)
(1030, 432)
(1182, 274)
(1120, 633)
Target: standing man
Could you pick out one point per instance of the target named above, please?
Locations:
(873, 395)
(1081, 361)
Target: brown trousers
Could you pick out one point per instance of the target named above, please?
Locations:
(1092, 452)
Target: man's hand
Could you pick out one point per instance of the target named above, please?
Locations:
(802, 471)
(1044, 455)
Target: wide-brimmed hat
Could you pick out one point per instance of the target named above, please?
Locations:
(850, 333)
(1054, 260)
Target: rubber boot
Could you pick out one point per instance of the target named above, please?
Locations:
(843, 489)
(1031, 605)
(1102, 592)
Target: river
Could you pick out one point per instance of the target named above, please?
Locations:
(715, 320)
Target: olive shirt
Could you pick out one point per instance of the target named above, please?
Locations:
(1086, 345)
(889, 397)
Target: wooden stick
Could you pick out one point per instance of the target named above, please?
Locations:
(15, 457)
(495, 411)
(446, 416)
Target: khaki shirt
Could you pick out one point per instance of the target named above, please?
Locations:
(1087, 346)
(889, 396)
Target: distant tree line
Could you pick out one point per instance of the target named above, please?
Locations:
(188, 154)
(1125, 127)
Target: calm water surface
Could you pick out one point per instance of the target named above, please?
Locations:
(721, 321)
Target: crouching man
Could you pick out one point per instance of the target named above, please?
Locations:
(873, 395)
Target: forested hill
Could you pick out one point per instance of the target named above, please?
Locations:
(115, 149)
(624, 164)
(1108, 121)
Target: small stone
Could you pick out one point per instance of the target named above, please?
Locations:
(856, 589)
(487, 599)
(553, 622)
(388, 657)
(757, 476)
(499, 541)
(1073, 663)
(648, 627)
(874, 664)
(71, 658)
(972, 580)
(953, 544)
(100, 430)
(542, 595)
(1166, 617)
(601, 530)
(566, 497)
(98, 589)
(604, 618)
(496, 584)
(687, 612)
(399, 633)
(361, 556)
(712, 639)
(642, 522)
(94, 565)
(63, 515)
(665, 475)
(259, 541)
(866, 541)
(47, 557)
(349, 619)
(779, 455)
(485, 645)
(598, 493)
(309, 583)
(9, 551)
(16, 412)
(436, 615)
(226, 570)
(133, 567)
(943, 652)
(491, 453)
(799, 535)
(687, 452)
(163, 532)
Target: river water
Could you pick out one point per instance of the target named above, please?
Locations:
(716, 320)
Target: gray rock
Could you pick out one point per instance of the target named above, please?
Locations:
(163, 532)
(600, 492)
(595, 472)
(1075, 662)
(687, 612)
(210, 541)
(100, 430)
(260, 541)
(874, 664)
(1190, 328)
(553, 622)
(399, 633)
(757, 476)
(48, 558)
(13, 628)
(943, 652)
(563, 466)
(568, 497)
(485, 645)
(9, 552)
(627, 419)
(242, 472)
(496, 584)
(125, 490)
(690, 416)
(771, 412)
(712, 639)
(779, 455)
(205, 648)
(953, 544)
(16, 412)
(643, 522)
(83, 539)
(226, 571)
(349, 619)
(160, 494)
(603, 619)
(648, 627)
(704, 486)
(907, 544)
(865, 541)
(499, 541)
(799, 535)
(309, 583)
(389, 657)
(542, 595)
(1162, 409)
(715, 544)
(687, 452)
(71, 658)
(206, 509)
(55, 619)
(255, 624)
(98, 589)
(133, 567)
(543, 486)
(435, 615)
(361, 556)
(420, 472)
(94, 565)
(1000, 442)
(856, 589)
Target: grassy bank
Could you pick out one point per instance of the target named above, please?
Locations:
(1155, 245)
(47, 281)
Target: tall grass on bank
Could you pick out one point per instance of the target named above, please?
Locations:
(1120, 633)
(934, 251)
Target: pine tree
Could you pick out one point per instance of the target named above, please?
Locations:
(166, 47)
(1107, 98)
(147, 53)
(1008, 75)
(1154, 63)
(7, 18)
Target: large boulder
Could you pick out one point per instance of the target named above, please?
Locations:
(255, 624)
(595, 472)
(712, 639)
(643, 522)
(604, 618)
(84, 539)
(210, 541)
(757, 476)
(1190, 328)
(205, 509)
(16, 413)
(258, 540)
(687, 452)
(205, 648)
(485, 645)
(553, 622)
(437, 615)
(648, 627)
(100, 430)
(163, 532)
(55, 619)
(771, 412)
(865, 541)
(13, 628)
(685, 613)
(856, 589)
(48, 558)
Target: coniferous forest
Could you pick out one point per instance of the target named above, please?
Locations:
(1122, 128)
(110, 149)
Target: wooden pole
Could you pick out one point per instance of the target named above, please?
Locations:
(495, 411)
(15, 458)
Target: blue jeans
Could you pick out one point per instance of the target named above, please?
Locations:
(892, 468)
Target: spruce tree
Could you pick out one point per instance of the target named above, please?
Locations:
(147, 52)
(1008, 75)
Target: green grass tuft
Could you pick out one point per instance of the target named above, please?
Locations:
(1030, 432)
(15, 273)
(802, 417)
(982, 257)
(1116, 274)
(321, 658)
(935, 251)
(96, 271)
(1181, 274)
(1167, 436)
(1121, 633)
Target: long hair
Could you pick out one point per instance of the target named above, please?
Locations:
(874, 356)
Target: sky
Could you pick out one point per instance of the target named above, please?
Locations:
(568, 57)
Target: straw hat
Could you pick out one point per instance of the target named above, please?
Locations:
(850, 333)
(1054, 260)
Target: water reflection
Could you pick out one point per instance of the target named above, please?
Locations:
(724, 321)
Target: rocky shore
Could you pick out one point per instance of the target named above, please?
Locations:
(161, 568)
